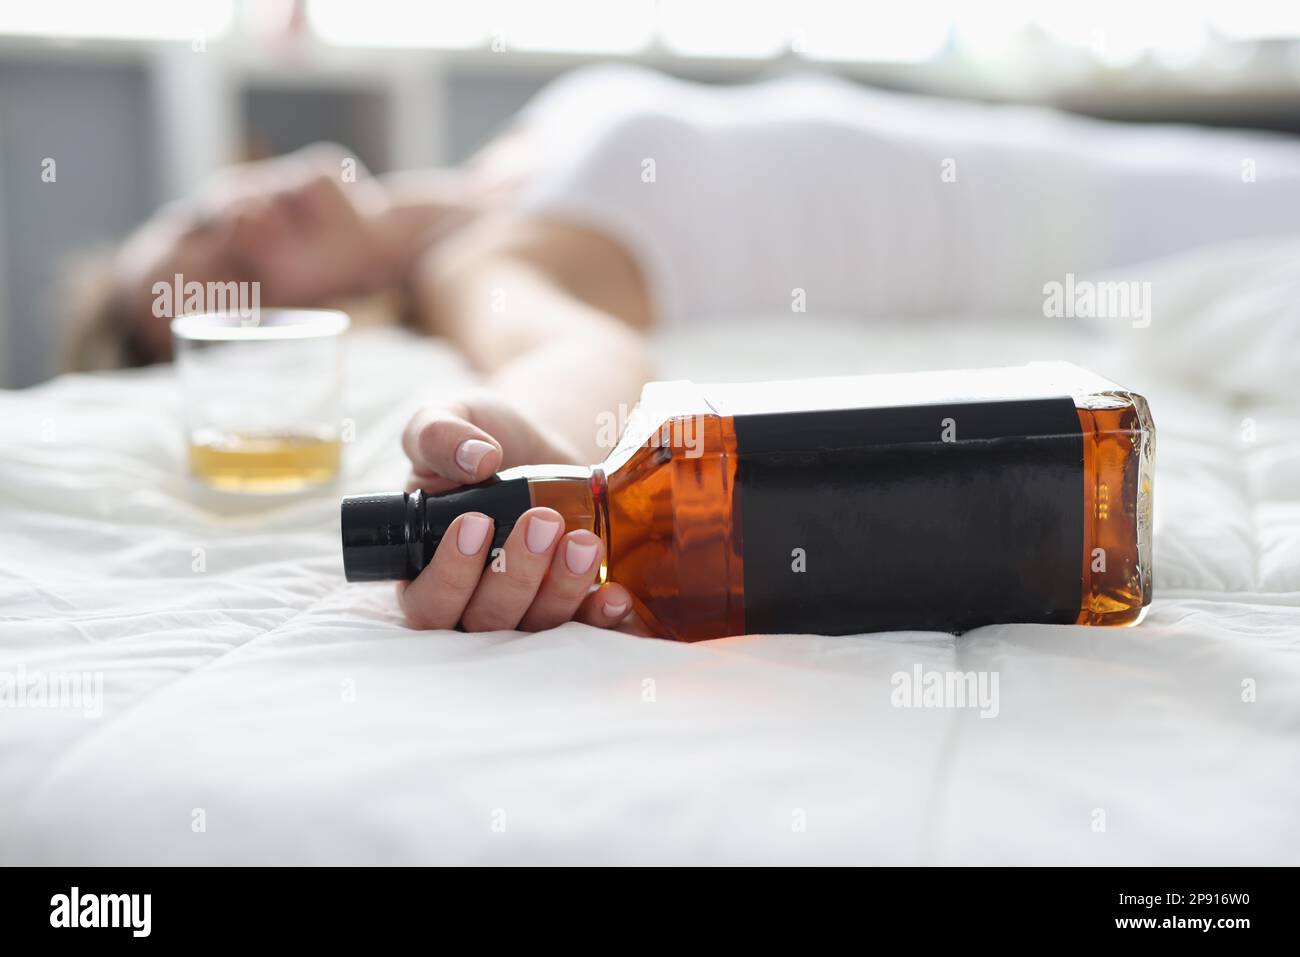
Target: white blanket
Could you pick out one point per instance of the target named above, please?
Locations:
(256, 708)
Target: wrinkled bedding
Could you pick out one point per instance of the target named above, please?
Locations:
(258, 709)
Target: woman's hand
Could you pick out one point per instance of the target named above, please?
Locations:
(543, 577)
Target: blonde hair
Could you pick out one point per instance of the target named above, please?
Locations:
(96, 334)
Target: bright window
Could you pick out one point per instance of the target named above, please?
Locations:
(118, 19)
(1112, 31)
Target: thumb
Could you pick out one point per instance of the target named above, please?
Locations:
(440, 443)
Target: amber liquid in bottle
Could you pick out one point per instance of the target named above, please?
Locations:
(670, 514)
(672, 530)
(1118, 443)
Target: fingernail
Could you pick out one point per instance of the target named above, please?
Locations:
(616, 610)
(472, 534)
(469, 454)
(541, 532)
(579, 556)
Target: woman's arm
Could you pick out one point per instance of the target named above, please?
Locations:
(550, 313)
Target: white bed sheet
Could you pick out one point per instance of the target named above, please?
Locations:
(227, 690)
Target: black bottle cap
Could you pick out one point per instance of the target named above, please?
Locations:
(392, 537)
(379, 532)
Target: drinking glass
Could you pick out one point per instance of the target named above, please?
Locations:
(262, 400)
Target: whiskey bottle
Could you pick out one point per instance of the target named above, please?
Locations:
(935, 501)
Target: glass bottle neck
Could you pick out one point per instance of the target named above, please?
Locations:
(578, 493)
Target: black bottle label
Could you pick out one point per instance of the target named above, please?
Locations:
(937, 517)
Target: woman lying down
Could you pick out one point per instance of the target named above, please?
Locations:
(621, 199)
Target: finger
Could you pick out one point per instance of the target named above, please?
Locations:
(439, 594)
(606, 607)
(298, 214)
(254, 223)
(328, 157)
(322, 195)
(510, 583)
(440, 443)
(572, 572)
(336, 184)
(432, 484)
(330, 183)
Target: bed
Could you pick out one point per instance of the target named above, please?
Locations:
(257, 709)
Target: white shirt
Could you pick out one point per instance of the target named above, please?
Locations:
(747, 199)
